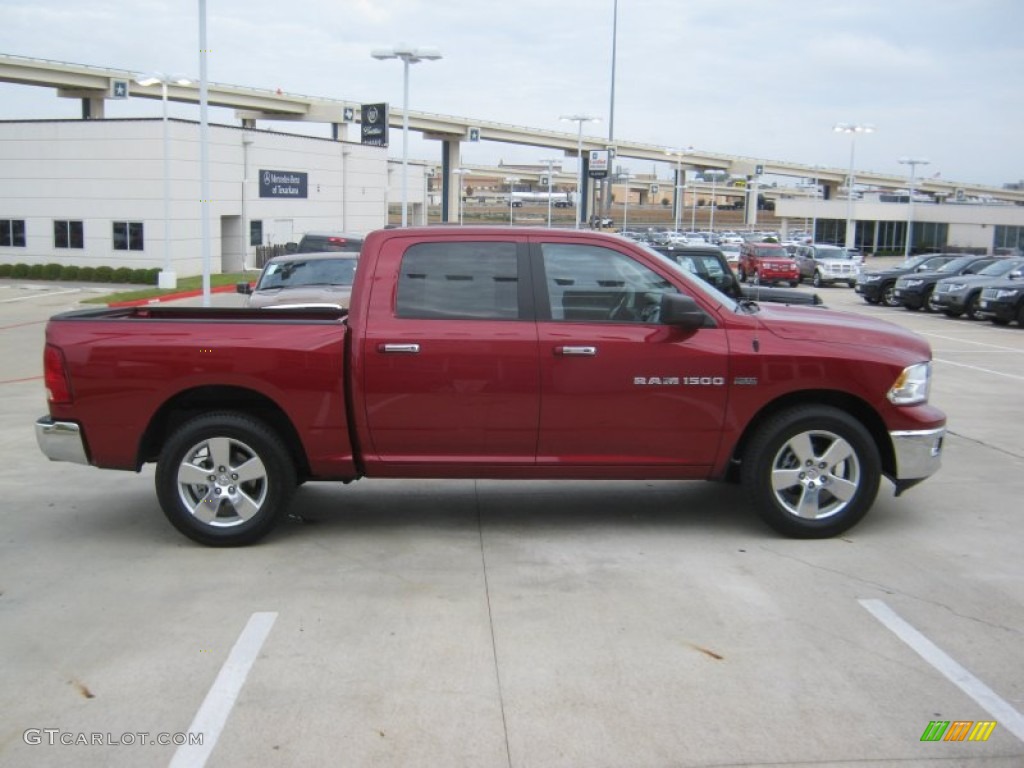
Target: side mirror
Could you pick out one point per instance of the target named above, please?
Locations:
(243, 288)
(681, 311)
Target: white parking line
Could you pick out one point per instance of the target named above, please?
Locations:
(1007, 717)
(214, 711)
(976, 343)
(41, 295)
(978, 368)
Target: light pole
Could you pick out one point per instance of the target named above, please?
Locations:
(913, 162)
(550, 163)
(408, 55)
(715, 175)
(679, 186)
(168, 278)
(511, 181)
(579, 120)
(625, 207)
(462, 173)
(693, 217)
(852, 129)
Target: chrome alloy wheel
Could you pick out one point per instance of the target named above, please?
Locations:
(815, 474)
(222, 482)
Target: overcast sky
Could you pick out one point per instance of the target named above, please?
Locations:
(939, 79)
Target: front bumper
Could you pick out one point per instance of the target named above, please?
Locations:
(918, 455)
(998, 309)
(61, 440)
(872, 290)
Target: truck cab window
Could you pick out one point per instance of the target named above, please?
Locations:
(592, 284)
(468, 281)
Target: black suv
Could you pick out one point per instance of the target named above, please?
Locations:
(1003, 302)
(913, 291)
(318, 242)
(956, 296)
(709, 264)
(875, 287)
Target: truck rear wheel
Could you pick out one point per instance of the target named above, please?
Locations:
(812, 472)
(224, 479)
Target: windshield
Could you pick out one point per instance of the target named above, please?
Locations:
(698, 285)
(997, 268)
(295, 274)
(956, 265)
(835, 253)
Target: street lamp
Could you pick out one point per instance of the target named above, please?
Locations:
(168, 278)
(913, 162)
(462, 173)
(679, 186)
(715, 176)
(853, 129)
(625, 208)
(550, 163)
(511, 181)
(579, 120)
(408, 55)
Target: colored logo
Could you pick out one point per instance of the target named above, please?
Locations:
(958, 730)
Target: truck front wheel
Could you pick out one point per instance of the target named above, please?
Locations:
(812, 471)
(224, 479)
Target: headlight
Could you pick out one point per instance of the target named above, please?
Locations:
(953, 287)
(1006, 293)
(912, 385)
(912, 283)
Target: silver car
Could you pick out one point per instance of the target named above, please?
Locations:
(304, 279)
(827, 265)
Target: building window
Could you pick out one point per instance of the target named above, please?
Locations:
(12, 233)
(128, 236)
(256, 232)
(68, 234)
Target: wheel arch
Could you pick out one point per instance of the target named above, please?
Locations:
(199, 400)
(843, 401)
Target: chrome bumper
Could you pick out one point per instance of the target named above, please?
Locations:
(61, 440)
(918, 455)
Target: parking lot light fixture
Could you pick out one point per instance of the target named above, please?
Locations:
(462, 173)
(550, 163)
(168, 278)
(677, 198)
(409, 55)
(625, 177)
(511, 181)
(913, 162)
(715, 176)
(852, 129)
(579, 120)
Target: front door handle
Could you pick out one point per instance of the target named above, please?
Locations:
(576, 351)
(399, 349)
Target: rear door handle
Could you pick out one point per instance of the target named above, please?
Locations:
(399, 349)
(576, 351)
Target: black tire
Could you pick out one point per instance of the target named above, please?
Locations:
(871, 300)
(1000, 321)
(1020, 315)
(816, 279)
(742, 275)
(837, 487)
(224, 479)
(927, 304)
(971, 307)
(851, 283)
(889, 295)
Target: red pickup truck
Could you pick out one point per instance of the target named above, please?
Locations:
(495, 353)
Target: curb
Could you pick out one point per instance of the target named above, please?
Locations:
(170, 297)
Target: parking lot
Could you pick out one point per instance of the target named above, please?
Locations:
(462, 623)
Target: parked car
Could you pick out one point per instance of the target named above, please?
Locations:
(317, 242)
(913, 291)
(767, 263)
(1003, 302)
(304, 279)
(827, 265)
(710, 264)
(878, 287)
(959, 296)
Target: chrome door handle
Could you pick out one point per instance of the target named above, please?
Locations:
(399, 349)
(576, 351)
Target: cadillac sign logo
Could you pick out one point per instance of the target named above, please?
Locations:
(375, 124)
(283, 184)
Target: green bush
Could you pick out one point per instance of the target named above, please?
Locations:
(6, 269)
(35, 272)
(104, 274)
(69, 273)
(121, 275)
(20, 270)
(88, 274)
(52, 271)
